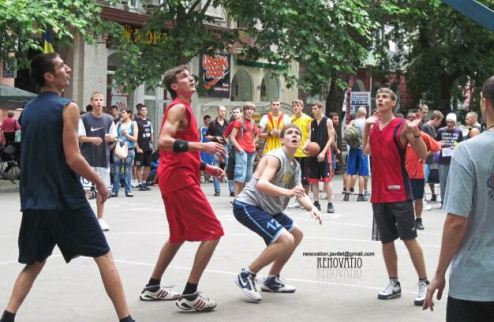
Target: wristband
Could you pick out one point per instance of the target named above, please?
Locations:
(180, 146)
(202, 167)
(416, 136)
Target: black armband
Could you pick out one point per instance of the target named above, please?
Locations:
(202, 167)
(417, 136)
(180, 146)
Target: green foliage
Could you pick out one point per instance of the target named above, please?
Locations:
(442, 49)
(328, 37)
(22, 23)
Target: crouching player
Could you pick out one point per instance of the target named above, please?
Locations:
(260, 208)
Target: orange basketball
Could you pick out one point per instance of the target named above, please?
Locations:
(313, 149)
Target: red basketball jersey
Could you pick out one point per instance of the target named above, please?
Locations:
(178, 170)
(390, 182)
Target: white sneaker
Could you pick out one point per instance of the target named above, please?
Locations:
(392, 290)
(134, 184)
(294, 204)
(427, 207)
(419, 300)
(276, 285)
(162, 294)
(200, 303)
(247, 283)
(104, 226)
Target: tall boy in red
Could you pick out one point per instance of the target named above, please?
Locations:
(190, 216)
(385, 139)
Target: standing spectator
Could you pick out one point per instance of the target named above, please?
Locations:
(203, 129)
(144, 147)
(126, 135)
(9, 126)
(53, 204)
(215, 134)
(244, 137)
(302, 121)
(468, 232)
(271, 125)
(335, 118)
(321, 132)
(385, 139)
(96, 132)
(431, 166)
(230, 166)
(449, 136)
(358, 162)
(471, 122)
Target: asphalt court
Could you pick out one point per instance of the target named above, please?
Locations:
(328, 287)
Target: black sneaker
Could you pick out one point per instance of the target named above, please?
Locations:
(232, 194)
(361, 197)
(141, 188)
(217, 194)
(418, 224)
(330, 208)
(317, 205)
(433, 198)
(346, 197)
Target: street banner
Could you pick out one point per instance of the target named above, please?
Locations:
(214, 72)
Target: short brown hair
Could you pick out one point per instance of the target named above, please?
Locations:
(290, 126)
(318, 104)
(388, 91)
(171, 77)
(437, 115)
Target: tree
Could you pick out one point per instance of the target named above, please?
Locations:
(441, 49)
(328, 37)
(22, 23)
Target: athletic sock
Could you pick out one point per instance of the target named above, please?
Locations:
(127, 319)
(153, 285)
(418, 220)
(423, 279)
(190, 291)
(7, 317)
(394, 279)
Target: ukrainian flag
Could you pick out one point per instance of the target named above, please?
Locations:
(47, 41)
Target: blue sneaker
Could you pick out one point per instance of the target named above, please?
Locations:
(247, 283)
(276, 285)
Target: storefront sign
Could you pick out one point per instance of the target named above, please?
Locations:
(214, 72)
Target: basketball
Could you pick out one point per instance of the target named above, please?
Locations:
(313, 149)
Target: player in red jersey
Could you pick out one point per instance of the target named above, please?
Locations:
(190, 216)
(385, 139)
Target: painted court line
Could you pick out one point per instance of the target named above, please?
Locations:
(213, 271)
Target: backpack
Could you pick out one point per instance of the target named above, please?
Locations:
(353, 136)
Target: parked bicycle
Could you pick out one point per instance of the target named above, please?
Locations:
(9, 168)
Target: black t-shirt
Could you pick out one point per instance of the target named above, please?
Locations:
(144, 135)
(216, 129)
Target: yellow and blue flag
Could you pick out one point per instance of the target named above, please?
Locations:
(48, 41)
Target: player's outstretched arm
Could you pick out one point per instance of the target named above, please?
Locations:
(307, 204)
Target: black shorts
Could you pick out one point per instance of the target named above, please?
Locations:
(319, 171)
(76, 232)
(143, 159)
(304, 169)
(418, 186)
(469, 311)
(393, 220)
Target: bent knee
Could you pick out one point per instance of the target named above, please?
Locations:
(286, 239)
